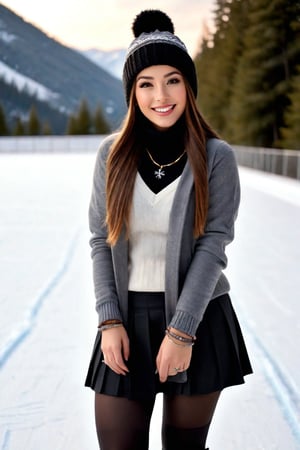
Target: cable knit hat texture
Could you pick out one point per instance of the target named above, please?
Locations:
(155, 43)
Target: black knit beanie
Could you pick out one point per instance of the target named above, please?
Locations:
(155, 43)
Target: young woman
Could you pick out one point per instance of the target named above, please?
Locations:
(164, 201)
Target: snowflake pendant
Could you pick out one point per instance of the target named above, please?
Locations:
(159, 173)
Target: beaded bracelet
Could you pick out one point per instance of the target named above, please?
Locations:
(180, 338)
(182, 344)
(111, 325)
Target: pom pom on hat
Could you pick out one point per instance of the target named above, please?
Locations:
(156, 44)
(151, 20)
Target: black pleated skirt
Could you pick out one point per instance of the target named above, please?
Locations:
(219, 356)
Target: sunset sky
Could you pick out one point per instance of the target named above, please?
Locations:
(107, 24)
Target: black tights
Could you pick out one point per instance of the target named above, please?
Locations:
(124, 424)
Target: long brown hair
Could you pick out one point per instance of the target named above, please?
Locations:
(122, 167)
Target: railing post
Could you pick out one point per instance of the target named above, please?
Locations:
(277, 161)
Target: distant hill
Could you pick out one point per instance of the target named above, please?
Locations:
(36, 68)
(112, 61)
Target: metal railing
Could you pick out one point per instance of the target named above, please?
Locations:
(280, 162)
(48, 144)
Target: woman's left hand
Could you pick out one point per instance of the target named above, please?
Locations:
(172, 358)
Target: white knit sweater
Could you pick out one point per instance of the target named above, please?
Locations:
(149, 224)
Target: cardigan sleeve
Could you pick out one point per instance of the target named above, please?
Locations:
(209, 258)
(107, 305)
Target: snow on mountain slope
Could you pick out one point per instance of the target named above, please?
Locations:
(54, 77)
(111, 61)
(34, 88)
(7, 37)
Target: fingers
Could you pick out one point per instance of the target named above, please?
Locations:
(172, 359)
(115, 361)
(175, 371)
(125, 345)
(167, 369)
(115, 347)
(163, 373)
(170, 372)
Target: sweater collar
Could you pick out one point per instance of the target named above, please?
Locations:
(164, 145)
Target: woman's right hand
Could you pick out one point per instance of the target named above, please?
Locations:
(115, 349)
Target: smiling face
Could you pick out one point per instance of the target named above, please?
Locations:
(161, 95)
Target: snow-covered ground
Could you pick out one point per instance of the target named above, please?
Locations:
(47, 319)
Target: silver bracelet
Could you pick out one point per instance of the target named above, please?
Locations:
(111, 325)
(182, 344)
(186, 340)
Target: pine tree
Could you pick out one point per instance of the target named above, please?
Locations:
(260, 91)
(100, 124)
(216, 64)
(46, 131)
(237, 14)
(34, 127)
(84, 119)
(18, 129)
(4, 131)
(291, 132)
(72, 125)
(207, 82)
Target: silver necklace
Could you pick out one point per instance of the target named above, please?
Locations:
(160, 172)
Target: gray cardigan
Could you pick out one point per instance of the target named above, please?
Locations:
(193, 266)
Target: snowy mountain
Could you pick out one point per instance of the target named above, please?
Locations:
(35, 68)
(21, 82)
(112, 61)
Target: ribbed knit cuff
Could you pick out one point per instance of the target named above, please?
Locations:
(184, 322)
(108, 311)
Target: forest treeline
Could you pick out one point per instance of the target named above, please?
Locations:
(249, 72)
(249, 78)
(82, 122)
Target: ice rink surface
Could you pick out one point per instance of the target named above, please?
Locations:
(48, 323)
